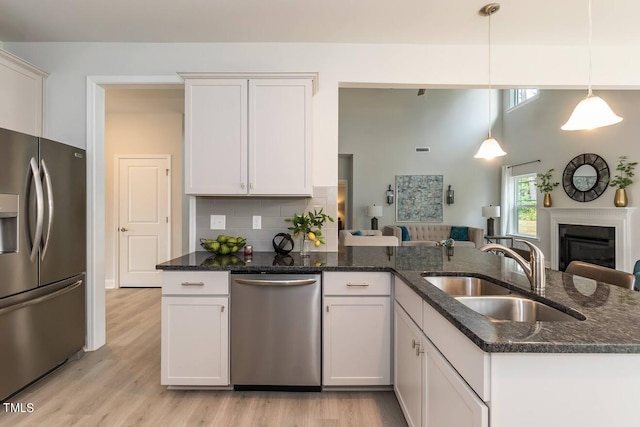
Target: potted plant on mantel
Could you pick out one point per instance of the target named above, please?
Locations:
(622, 180)
(545, 186)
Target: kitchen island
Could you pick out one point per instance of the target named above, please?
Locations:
(583, 372)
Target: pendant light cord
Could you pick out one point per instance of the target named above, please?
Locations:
(489, 38)
(590, 93)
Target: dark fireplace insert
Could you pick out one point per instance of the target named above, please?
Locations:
(588, 243)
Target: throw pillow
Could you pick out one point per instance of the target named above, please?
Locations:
(405, 234)
(357, 233)
(459, 233)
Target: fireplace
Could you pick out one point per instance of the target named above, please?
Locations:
(622, 220)
(592, 244)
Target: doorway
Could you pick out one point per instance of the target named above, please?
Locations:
(143, 229)
(345, 190)
(141, 122)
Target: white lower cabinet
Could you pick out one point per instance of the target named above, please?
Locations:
(409, 384)
(429, 389)
(357, 341)
(195, 329)
(195, 340)
(449, 400)
(356, 329)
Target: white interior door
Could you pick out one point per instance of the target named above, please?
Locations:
(143, 219)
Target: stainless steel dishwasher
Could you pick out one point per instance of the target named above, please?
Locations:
(275, 332)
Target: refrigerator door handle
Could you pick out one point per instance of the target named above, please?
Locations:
(50, 201)
(41, 299)
(35, 172)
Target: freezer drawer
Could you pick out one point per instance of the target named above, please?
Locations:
(39, 330)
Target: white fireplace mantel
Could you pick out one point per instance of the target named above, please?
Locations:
(619, 218)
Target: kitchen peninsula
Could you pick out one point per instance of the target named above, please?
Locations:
(582, 372)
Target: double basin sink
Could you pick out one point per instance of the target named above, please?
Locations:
(497, 302)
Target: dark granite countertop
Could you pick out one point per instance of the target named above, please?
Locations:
(612, 313)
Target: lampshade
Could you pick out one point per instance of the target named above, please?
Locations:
(591, 113)
(374, 211)
(491, 211)
(489, 149)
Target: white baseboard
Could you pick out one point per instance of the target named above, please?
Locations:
(109, 284)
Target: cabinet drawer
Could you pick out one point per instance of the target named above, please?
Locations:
(409, 300)
(195, 283)
(357, 283)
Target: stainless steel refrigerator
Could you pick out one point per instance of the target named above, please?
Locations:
(42, 257)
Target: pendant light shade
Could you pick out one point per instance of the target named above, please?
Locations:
(592, 112)
(490, 148)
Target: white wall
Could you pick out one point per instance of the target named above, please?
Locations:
(383, 127)
(366, 64)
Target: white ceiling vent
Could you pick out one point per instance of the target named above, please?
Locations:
(423, 149)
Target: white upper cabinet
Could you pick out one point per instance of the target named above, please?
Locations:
(216, 136)
(248, 136)
(22, 101)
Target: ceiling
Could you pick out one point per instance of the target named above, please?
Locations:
(326, 21)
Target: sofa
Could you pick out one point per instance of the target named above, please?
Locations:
(432, 234)
(366, 238)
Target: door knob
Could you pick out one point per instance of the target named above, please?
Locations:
(124, 229)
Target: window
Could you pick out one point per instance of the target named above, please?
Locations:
(525, 207)
(518, 96)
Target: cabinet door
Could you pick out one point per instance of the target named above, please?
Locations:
(195, 341)
(215, 136)
(449, 400)
(22, 88)
(280, 137)
(408, 383)
(357, 341)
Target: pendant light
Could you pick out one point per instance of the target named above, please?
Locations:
(490, 148)
(592, 112)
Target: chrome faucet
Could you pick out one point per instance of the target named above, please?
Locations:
(533, 269)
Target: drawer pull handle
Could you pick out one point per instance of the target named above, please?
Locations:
(192, 283)
(413, 343)
(360, 284)
(222, 309)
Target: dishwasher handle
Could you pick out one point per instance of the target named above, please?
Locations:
(258, 282)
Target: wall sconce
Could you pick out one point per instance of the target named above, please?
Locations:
(389, 195)
(449, 196)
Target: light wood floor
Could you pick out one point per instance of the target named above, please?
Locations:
(119, 385)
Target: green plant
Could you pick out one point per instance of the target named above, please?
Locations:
(625, 173)
(544, 183)
(310, 225)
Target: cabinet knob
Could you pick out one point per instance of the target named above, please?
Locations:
(251, 185)
(419, 351)
(414, 343)
(124, 229)
(242, 185)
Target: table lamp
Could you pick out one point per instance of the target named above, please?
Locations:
(490, 212)
(374, 211)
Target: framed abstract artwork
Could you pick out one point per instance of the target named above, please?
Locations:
(419, 198)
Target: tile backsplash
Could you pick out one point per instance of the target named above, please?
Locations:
(239, 212)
